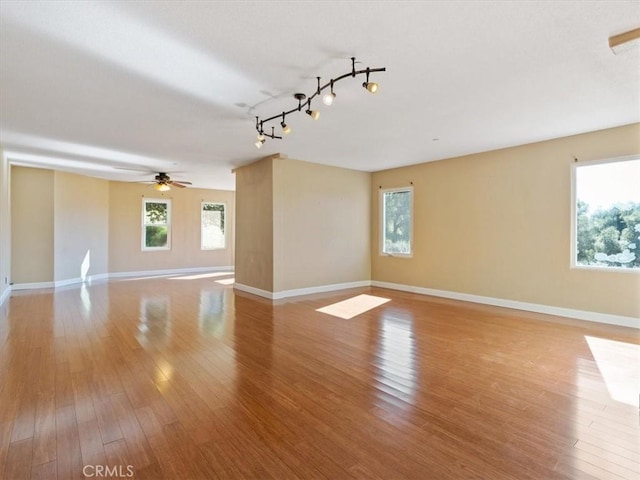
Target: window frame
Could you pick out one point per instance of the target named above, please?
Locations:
(381, 220)
(167, 202)
(573, 256)
(224, 232)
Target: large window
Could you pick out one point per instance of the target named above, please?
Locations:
(156, 224)
(212, 226)
(396, 206)
(607, 214)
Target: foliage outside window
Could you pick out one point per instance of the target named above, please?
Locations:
(607, 221)
(396, 221)
(212, 226)
(156, 224)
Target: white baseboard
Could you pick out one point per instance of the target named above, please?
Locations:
(68, 281)
(301, 291)
(88, 279)
(171, 271)
(106, 276)
(320, 289)
(60, 283)
(6, 294)
(619, 320)
(531, 307)
(253, 290)
(32, 286)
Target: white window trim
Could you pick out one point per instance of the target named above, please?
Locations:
(202, 204)
(381, 222)
(143, 230)
(573, 254)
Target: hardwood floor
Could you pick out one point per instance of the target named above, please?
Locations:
(181, 377)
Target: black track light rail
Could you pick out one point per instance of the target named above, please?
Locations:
(307, 103)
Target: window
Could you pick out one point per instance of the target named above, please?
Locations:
(212, 221)
(396, 221)
(606, 224)
(156, 224)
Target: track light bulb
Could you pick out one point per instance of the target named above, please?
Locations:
(315, 114)
(162, 187)
(260, 137)
(259, 143)
(328, 98)
(371, 86)
(286, 129)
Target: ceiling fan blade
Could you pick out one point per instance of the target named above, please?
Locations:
(182, 182)
(176, 184)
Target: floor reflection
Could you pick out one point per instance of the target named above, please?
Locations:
(211, 315)
(253, 338)
(163, 373)
(396, 366)
(4, 315)
(85, 297)
(155, 320)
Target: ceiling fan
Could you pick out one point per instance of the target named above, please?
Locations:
(163, 182)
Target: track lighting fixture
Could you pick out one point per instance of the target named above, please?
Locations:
(315, 114)
(305, 102)
(260, 138)
(261, 135)
(371, 86)
(286, 129)
(329, 97)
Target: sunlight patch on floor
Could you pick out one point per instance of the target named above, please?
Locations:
(352, 307)
(226, 281)
(619, 365)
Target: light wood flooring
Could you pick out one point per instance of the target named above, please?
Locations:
(181, 377)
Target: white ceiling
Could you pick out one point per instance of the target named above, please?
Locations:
(95, 87)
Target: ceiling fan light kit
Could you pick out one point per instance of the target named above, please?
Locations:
(163, 183)
(304, 102)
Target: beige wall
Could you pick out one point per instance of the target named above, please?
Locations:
(32, 237)
(497, 224)
(125, 229)
(321, 225)
(254, 225)
(86, 226)
(301, 225)
(5, 225)
(494, 224)
(81, 226)
(58, 220)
